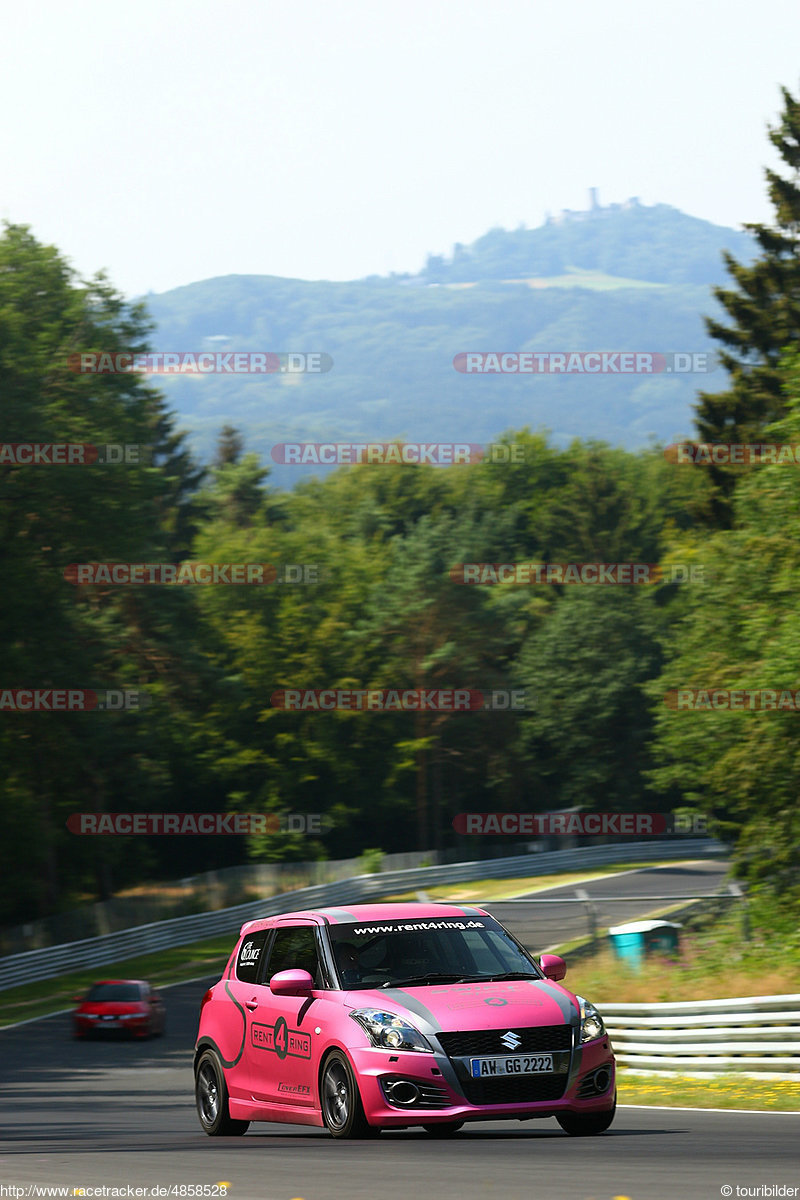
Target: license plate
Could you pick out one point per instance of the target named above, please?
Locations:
(113, 1020)
(522, 1064)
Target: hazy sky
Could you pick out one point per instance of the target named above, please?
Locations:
(173, 140)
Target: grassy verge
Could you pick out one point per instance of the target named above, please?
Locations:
(714, 960)
(165, 966)
(729, 1090)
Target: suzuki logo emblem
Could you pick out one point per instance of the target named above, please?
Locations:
(511, 1041)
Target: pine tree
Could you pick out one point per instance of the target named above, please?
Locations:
(765, 310)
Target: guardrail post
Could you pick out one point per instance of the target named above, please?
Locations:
(590, 910)
(735, 890)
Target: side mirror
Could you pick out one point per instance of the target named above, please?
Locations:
(553, 966)
(291, 983)
(77, 999)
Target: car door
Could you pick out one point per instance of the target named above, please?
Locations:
(280, 1051)
(241, 995)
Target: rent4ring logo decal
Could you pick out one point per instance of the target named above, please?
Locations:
(281, 1039)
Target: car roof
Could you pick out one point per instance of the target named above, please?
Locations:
(362, 913)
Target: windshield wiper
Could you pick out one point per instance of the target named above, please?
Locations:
(431, 977)
(511, 975)
(436, 977)
(499, 978)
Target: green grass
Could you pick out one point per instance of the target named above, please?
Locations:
(728, 1090)
(714, 961)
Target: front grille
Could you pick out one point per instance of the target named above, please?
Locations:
(514, 1089)
(537, 1039)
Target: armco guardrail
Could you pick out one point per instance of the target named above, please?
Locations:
(206, 892)
(749, 1033)
(16, 969)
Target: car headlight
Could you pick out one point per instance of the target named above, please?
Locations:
(591, 1022)
(390, 1032)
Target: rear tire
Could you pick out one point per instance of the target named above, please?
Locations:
(587, 1124)
(342, 1109)
(211, 1097)
(444, 1129)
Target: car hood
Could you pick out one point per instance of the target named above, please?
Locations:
(460, 1006)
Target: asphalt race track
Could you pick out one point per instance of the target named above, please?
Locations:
(540, 925)
(119, 1114)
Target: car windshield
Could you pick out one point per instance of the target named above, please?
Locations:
(112, 991)
(426, 950)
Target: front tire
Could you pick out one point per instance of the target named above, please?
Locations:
(211, 1097)
(342, 1109)
(587, 1124)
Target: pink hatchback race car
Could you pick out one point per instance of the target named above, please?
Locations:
(385, 1016)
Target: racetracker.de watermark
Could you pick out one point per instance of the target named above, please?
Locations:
(609, 574)
(202, 362)
(39, 700)
(330, 454)
(436, 454)
(583, 362)
(736, 699)
(734, 454)
(74, 454)
(125, 1191)
(400, 700)
(213, 824)
(585, 824)
(190, 574)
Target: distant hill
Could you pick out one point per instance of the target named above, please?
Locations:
(658, 244)
(627, 277)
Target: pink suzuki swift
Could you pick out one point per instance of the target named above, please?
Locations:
(385, 1016)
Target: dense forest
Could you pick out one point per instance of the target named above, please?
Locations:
(379, 608)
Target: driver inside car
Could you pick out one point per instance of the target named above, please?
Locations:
(347, 960)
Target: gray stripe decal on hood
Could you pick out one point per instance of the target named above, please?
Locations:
(429, 1025)
(415, 1006)
(568, 1010)
(570, 1014)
